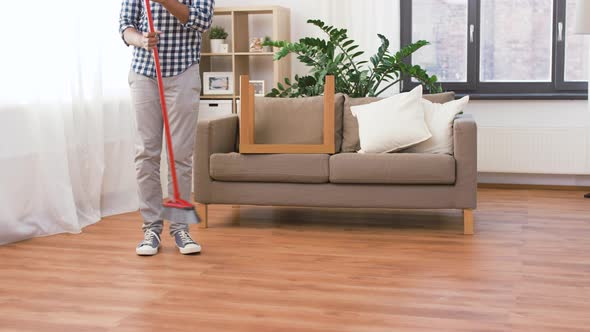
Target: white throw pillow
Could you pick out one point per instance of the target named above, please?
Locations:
(392, 124)
(439, 119)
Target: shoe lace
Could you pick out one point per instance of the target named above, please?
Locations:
(148, 237)
(185, 237)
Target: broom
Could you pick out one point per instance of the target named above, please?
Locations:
(175, 209)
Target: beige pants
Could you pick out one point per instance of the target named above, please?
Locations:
(182, 99)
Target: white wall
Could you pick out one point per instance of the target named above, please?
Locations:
(365, 19)
(550, 137)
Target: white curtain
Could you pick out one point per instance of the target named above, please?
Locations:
(66, 127)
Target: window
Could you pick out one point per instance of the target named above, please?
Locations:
(515, 41)
(499, 48)
(447, 57)
(576, 46)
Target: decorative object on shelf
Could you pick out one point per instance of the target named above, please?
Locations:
(218, 83)
(339, 56)
(217, 36)
(224, 48)
(265, 45)
(256, 45)
(583, 24)
(258, 88)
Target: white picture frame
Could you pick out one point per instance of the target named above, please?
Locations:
(259, 90)
(218, 83)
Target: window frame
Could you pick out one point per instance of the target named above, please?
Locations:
(557, 88)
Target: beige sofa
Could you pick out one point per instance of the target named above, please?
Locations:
(342, 180)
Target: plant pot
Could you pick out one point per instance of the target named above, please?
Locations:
(267, 49)
(216, 45)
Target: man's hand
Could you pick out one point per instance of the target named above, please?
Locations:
(145, 40)
(149, 40)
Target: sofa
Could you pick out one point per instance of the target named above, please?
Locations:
(343, 180)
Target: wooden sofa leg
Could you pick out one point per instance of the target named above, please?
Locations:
(468, 221)
(203, 211)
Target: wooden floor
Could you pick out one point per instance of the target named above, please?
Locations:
(278, 269)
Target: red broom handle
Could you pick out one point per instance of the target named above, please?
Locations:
(163, 102)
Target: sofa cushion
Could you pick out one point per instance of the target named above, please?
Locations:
(295, 120)
(392, 124)
(439, 119)
(350, 131)
(392, 168)
(285, 168)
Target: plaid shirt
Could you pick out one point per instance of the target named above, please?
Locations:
(180, 44)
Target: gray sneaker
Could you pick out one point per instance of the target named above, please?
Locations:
(150, 244)
(185, 243)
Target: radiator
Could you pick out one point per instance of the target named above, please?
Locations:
(534, 150)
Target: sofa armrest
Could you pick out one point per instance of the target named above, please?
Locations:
(465, 151)
(213, 136)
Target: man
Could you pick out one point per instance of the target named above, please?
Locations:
(179, 25)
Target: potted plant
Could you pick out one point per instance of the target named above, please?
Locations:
(266, 45)
(340, 56)
(217, 36)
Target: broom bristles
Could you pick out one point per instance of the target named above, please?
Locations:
(181, 216)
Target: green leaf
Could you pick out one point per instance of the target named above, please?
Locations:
(410, 49)
(352, 48)
(357, 54)
(347, 43)
(339, 58)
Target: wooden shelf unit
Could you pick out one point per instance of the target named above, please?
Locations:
(238, 22)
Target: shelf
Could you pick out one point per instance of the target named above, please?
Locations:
(216, 54)
(255, 53)
(223, 11)
(272, 21)
(205, 97)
